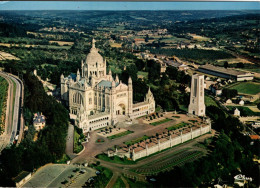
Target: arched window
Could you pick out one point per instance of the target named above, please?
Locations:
(77, 98)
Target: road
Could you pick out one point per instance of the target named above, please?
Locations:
(14, 118)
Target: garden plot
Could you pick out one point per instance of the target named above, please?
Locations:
(7, 56)
(178, 158)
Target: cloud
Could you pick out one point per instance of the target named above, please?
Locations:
(3, 2)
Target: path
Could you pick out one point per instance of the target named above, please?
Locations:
(70, 142)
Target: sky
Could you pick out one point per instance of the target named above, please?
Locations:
(99, 5)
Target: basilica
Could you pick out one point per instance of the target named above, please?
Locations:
(96, 99)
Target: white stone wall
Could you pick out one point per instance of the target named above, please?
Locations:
(171, 142)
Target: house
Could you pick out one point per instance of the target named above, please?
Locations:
(39, 121)
(229, 101)
(241, 103)
(216, 89)
(254, 137)
(236, 112)
(226, 73)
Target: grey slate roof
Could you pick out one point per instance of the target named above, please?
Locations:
(106, 84)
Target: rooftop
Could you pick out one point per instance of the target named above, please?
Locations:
(106, 83)
(222, 70)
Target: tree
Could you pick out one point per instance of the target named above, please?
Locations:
(229, 93)
(226, 64)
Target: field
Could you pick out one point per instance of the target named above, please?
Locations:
(168, 162)
(61, 43)
(160, 122)
(119, 135)
(35, 46)
(174, 39)
(7, 56)
(3, 98)
(199, 38)
(247, 88)
(116, 45)
(177, 126)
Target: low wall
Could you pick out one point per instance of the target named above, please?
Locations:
(163, 145)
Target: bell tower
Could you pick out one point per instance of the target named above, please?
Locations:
(197, 105)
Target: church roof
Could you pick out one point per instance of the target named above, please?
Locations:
(72, 76)
(106, 83)
(94, 57)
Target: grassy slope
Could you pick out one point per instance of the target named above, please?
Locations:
(247, 88)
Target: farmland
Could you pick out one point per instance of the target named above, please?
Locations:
(251, 88)
(168, 162)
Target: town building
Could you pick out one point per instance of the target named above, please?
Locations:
(225, 73)
(216, 89)
(97, 100)
(197, 105)
(178, 65)
(236, 112)
(39, 121)
(242, 103)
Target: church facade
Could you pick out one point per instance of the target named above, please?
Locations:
(96, 99)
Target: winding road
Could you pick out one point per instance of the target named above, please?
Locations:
(14, 122)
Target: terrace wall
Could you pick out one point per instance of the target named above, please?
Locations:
(164, 145)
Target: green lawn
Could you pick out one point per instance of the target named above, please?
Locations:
(119, 183)
(120, 134)
(136, 140)
(177, 126)
(115, 159)
(136, 184)
(210, 102)
(247, 88)
(244, 111)
(102, 180)
(63, 160)
(160, 122)
(145, 74)
(77, 144)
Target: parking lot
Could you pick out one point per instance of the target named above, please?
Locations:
(60, 175)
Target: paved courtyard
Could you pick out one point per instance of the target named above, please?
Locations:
(52, 175)
(140, 129)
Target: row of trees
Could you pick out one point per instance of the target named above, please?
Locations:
(49, 147)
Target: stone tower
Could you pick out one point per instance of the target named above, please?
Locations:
(197, 105)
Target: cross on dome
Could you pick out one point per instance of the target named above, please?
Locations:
(93, 43)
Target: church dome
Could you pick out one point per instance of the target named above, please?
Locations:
(94, 57)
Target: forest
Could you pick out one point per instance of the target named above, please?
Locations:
(50, 145)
